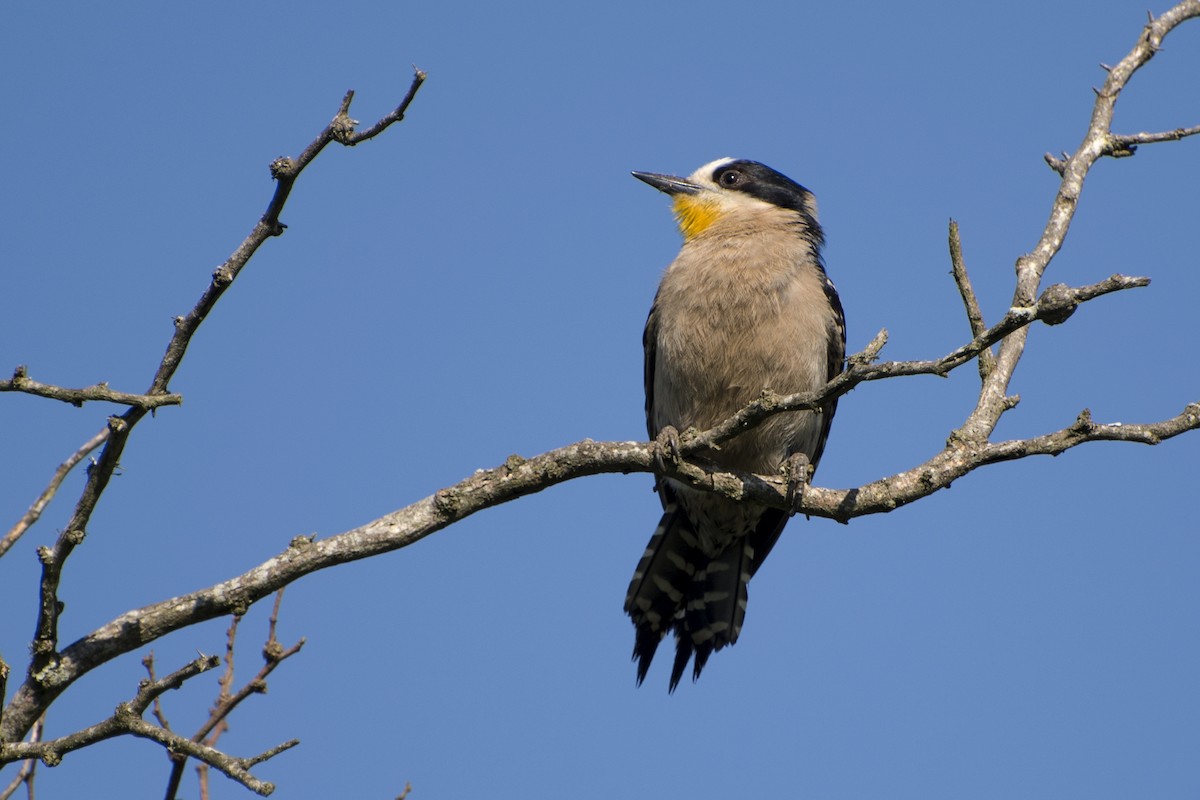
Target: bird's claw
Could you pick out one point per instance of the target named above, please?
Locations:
(667, 448)
(797, 470)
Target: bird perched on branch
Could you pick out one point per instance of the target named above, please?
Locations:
(745, 306)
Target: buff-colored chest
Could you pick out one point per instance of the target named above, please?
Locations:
(738, 314)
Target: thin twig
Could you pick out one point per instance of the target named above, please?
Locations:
(1127, 143)
(1097, 142)
(28, 770)
(266, 755)
(228, 700)
(519, 477)
(35, 511)
(340, 129)
(52, 751)
(21, 382)
(987, 359)
(994, 398)
(179, 760)
(397, 114)
(1056, 303)
(127, 720)
(45, 643)
(157, 708)
(273, 621)
(967, 449)
(273, 655)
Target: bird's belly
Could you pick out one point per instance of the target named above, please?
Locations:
(702, 382)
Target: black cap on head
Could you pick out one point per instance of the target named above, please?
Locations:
(759, 180)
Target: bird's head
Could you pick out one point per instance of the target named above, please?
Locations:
(730, 188)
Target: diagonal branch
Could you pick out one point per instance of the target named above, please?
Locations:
(127, 720)
(52, 751)
(1097, 142)
(35, 511)
(286, 171)
(519, 477)
(967, 449)
(227, 700)
(28, 769)
(1056, 304)
(958, 268)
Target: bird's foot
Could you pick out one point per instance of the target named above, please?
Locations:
(667, 449)
(797, 470)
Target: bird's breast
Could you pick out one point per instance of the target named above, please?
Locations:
(731, 324)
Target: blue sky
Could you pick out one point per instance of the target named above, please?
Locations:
(473, 284)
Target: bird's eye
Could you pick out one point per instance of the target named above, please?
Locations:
(730, 177)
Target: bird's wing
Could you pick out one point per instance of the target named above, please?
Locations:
(835, 362)
(770, 525)
(650, 346)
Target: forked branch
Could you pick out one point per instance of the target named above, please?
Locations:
(968, 447)
(53, 558)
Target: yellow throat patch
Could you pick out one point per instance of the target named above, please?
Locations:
(694, 214)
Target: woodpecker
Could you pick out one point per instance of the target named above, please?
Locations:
(745, 306)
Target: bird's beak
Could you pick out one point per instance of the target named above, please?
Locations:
(667, 183)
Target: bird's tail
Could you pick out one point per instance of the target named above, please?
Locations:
(716, 608)
(661, 584)
(676, 586)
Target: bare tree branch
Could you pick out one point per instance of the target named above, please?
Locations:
(26, 773)
(21, 382)
(159, 714)
(267, 755)
(127, 720)
(958, 268)
(35, 511)
(1057, 303)
(1128, 142)
(967, 448)
(51, 752)
(286, 171)
(1123, 146)
(396, 116)
(273, 654)
(519, 477)
(994, 399)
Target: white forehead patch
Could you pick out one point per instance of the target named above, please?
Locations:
(703, 176)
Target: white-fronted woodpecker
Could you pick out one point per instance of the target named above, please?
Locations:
(746, 306)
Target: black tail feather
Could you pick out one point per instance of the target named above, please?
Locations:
(644, 646)
(683, 652)
(661, 583)
(700, 597)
